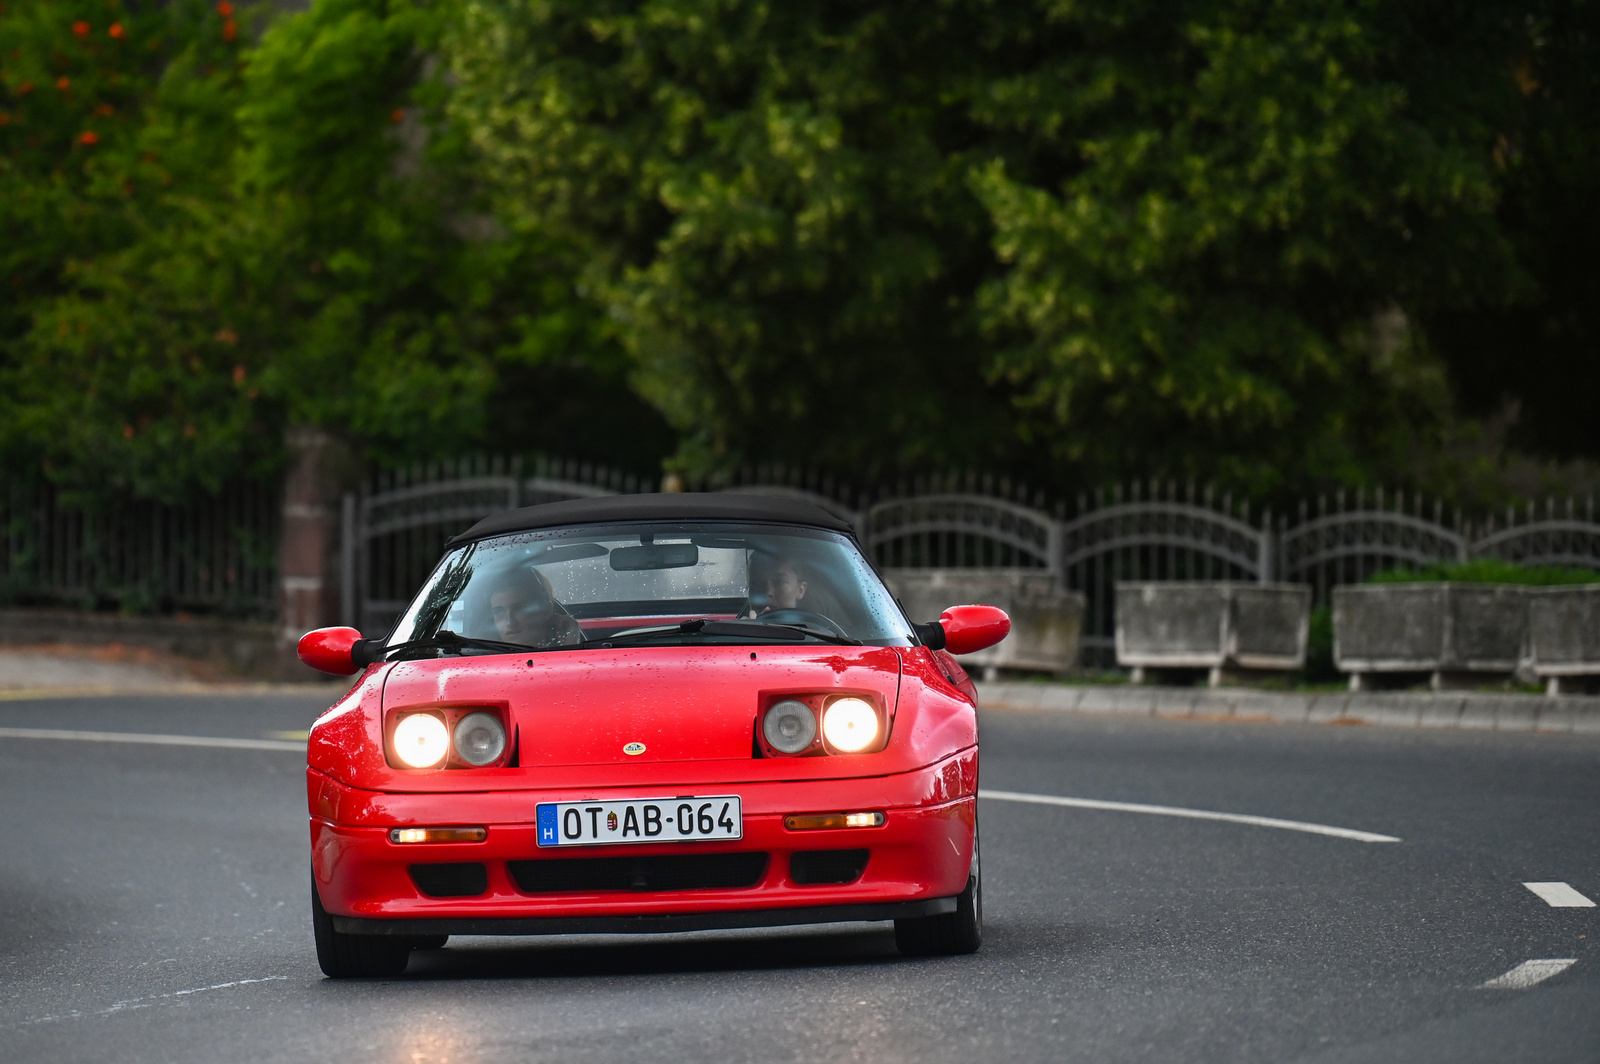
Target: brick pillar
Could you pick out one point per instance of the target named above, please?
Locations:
(321, 469)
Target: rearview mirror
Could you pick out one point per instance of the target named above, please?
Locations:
(329, 650)
(654, 556)
(969, 629)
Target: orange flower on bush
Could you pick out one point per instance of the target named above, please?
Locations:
(238, 374)
(81, 28)
(25, 88)
(104, 109)
(63, 83)
(88, 136)
(225, 9)
(399, 114)
(116, 30)
(4, 118)
(229, 30)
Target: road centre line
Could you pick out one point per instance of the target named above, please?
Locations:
(1560, 896)
(1190, 814)
(215, 742)
(1529, 973)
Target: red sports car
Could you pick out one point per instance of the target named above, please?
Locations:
(646, 713)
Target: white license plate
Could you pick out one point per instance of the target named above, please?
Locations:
(703, 819)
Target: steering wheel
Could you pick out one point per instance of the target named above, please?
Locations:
(802, 619)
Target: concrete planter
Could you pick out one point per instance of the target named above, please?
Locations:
(1046, 619)
(1450, 630)
(1564, 633)
(1212, 625)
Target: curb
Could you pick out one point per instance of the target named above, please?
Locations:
(1487, 712)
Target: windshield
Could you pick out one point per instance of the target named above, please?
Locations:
(653, 584)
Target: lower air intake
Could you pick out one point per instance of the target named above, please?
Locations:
(688, 871)
(465, 880)
(814, 867)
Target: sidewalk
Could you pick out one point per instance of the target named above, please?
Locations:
(1456, 709)
(57, 670)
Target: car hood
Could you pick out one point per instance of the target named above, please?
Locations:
(583, 707)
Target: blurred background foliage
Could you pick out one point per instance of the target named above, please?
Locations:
(1277, 245)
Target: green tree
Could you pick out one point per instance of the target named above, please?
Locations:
(1085, 239)
(116, 135)
(771, 203)
(311, 250)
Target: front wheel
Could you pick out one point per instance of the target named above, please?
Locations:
(343, 956)
(948, 934)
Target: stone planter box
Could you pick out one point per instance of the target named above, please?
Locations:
(1046, 618)
(1450, 630)
(1212, 625)
(1564, 633)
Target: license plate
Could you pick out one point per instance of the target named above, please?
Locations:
(703, 819)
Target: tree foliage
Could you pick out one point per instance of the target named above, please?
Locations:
(1276, 243)
(1193, 237)
(772, 205)
(264, 234)
(116, 141)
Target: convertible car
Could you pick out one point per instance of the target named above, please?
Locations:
(646, 713)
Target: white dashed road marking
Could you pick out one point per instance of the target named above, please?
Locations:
(1530, 973)
(1191, 814)
(216, 742)
(1560, 896)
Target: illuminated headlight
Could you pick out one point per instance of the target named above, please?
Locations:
(789, 726)
(480, 738)
(420, 740)
(850, 725)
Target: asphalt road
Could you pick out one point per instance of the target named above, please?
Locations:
(153, 907)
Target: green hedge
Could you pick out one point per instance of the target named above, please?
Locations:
(1488, 571)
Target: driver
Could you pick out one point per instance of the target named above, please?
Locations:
(786, 586)
(525, 611)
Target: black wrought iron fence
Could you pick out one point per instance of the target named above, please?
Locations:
(215, 555)
(1139, 531)
(220, 554)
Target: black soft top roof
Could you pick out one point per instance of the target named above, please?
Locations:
(669, 506)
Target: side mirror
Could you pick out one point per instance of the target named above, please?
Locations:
(339, 651)
(967, 629)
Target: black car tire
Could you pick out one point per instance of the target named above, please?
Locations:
(948, 934)
(343, 956)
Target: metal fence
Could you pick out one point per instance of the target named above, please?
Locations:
(1142, 531)
(220, 554)
(395, 532)
(215, 555)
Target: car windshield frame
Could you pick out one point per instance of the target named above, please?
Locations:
(845, 581)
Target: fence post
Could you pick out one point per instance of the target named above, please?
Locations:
(1267, 552)
(347, 562)
(321, 468)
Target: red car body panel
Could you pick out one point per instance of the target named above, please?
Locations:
(695, 709)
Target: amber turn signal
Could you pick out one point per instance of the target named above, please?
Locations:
(438, 834)
(826, 821)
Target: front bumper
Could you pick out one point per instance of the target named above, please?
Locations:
(918, 860)
(643, 925)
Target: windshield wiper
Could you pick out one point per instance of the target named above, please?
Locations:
(750, 629)
(449, 641)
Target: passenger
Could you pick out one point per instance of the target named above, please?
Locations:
(524, 610)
